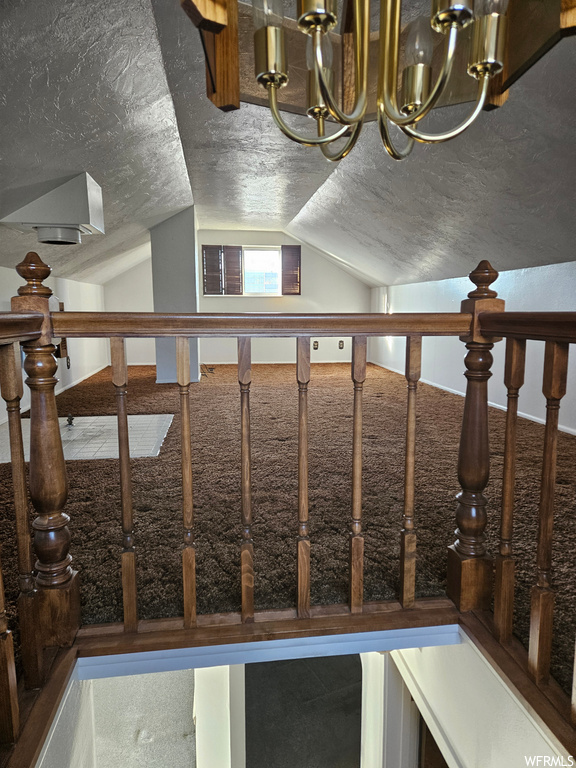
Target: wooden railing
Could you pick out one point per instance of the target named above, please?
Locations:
(558, 330)
(50, 599)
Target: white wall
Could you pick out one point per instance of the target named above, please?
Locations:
(71, 741)
(325, 288)
(474, 716)
(219, 714)
(175, 286)
(132, 292)
(549, 288)
(86, 355)
(390, 719)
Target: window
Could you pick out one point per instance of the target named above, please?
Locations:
(233, 270)
(262, 271)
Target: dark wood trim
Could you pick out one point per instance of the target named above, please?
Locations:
(568, 17)
(222, 629)
(206, 14)
(38, 724)
(534, 28)
(224, 93)
(143, 324)
(20, 326)
(545, 326)
(303, 541)
(408, 534)
(511, 661)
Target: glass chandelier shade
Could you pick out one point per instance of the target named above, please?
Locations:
(418, 93)
(419, 44)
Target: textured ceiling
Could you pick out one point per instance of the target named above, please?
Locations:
(84, 89)
(504, 191)
(118, 90)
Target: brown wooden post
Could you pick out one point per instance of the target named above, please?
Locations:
(504, 581)
(408, 535)
(542, 597)
(247, 548)
(120, 381)
(9, 710)
(189, 550)
(356, 537)
(469, 568)
(303, 546)
(58, 603)
(12, 391)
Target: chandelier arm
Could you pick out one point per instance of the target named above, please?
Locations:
(429, 138)
(388, 77)
(361, 53)
(307, 141)
(348, 147)
(393, 151)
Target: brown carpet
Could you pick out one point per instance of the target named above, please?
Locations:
(94, 503)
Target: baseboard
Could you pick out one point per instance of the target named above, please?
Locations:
(59, 390)
(291, 361)
(491, 403)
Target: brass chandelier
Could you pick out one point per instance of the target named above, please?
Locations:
(418, 95)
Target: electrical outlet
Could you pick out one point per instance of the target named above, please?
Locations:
(340, 344)
(314, 345)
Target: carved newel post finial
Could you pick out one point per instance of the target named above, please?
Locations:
(469, 568)
(34, 271)
(483, 277)
(56, 582)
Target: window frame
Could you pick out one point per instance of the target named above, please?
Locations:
(290, 269)
(278, 250)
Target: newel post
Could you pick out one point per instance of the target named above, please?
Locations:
(469, 567)
(58, 589)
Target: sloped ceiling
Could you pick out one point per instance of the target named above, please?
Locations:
(118, 90)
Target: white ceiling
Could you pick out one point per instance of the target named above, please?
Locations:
(117, 90)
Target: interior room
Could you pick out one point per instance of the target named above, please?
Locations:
(273, 373)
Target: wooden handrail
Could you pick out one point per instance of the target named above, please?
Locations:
(51, 607)
(20, 326)
(136, 324)
(543, 326)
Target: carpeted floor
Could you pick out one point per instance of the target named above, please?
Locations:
(94, 503)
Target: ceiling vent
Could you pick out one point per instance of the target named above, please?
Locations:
(61, 215)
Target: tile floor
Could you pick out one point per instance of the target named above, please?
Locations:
(96, 437)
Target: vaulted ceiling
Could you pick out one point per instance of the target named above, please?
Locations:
(118, 90)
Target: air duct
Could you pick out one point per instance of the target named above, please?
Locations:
(62, 214)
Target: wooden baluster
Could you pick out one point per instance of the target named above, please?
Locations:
(542, 599)
(303, 377)
(504, 577)
(9, 710)
(120, 381)
(12, 391)
(247, 549)
(469, 568)
(356, 537)
(58, 602)
(189, 551)
(408, 536)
